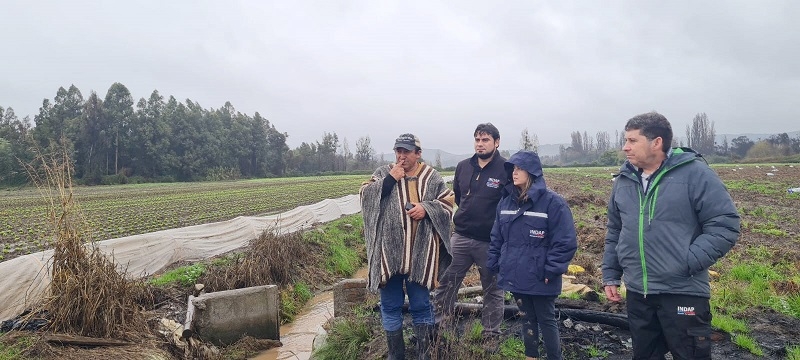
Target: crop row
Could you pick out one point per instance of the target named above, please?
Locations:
(117, 211)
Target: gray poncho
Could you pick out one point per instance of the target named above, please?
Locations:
(397, 244)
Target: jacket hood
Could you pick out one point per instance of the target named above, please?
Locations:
(529, 161)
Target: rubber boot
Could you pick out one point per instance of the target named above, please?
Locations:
(424, 332)
(396, 345)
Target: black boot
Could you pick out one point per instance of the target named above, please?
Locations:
(396, 345)
(424, 333)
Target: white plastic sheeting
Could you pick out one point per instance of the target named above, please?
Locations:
(24, 279)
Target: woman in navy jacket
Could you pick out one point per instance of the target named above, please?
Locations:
(532, 242)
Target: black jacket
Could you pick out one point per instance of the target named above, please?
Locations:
(477, 194)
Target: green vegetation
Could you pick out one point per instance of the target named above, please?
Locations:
(754, 186)
(729, 324)
(303, 292)
(748, 343)
(16, 349)
(293, 299)
(475, 331)
(793, 352)
(512, 348)
(572, 296)
(769, 229)
(749, 283)
(346, 338)
(595, 353)
(184, 275)
(342, 245)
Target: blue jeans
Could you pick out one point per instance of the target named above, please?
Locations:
(392, 299)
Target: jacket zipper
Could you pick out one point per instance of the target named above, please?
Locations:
(641, 240)
(477, 177)
(649, 198)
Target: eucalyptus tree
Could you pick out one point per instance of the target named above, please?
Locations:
(212, 133)
(326, 151)
(183, 143)
(55, 121)
(118, 109)
(14, 149)
(303, 159)
(92, 141)
(276, 150)
(150, 137)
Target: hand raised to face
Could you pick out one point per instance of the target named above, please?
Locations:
(397, 172)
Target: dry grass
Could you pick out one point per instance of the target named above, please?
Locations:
(247, 347)
(271, 259)
(87, 295)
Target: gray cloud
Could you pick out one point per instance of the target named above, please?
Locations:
(362, 68)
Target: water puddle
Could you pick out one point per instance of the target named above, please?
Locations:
(298, 336)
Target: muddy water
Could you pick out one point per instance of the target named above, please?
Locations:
(298, 336)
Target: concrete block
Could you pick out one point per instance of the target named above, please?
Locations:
(224, 317)
(347, 294)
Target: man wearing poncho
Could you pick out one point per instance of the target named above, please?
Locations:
(407, 209)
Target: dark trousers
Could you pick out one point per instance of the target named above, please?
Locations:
(465, 252)
(680, 324)
(539, 312)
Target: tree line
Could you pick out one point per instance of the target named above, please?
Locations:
(601, 149)
(114, 140)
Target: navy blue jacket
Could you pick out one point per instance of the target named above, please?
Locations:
(532, 241)
(478, 191)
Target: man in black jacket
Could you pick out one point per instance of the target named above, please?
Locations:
(477, 184)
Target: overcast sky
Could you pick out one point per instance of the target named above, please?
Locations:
(437, 69)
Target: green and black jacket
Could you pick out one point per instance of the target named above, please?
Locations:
(664, 240)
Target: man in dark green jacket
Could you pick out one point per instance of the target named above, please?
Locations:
(669, 219)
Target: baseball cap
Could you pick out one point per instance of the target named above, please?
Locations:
(408, 142)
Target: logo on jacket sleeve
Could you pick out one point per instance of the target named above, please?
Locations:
(493, 183)
(537, 233)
